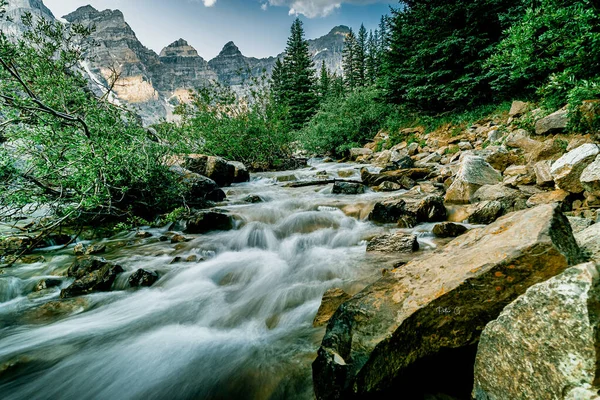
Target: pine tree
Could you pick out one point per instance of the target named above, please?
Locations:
(348, 56)
(294, 78)
(324, 81)
(360, 55)
(372, 58)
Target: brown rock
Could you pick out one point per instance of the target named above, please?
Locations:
(556, 196)
(332, 299)
(398, 242)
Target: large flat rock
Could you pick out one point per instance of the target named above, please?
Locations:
(439, 303)
(544, 344)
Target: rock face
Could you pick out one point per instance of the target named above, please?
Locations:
(15, 9)
(330, 303)
(398, 242)
(416, 317)
(545, 344)
(555, 122)
(474, 172)
(567, 170)
(92, 274)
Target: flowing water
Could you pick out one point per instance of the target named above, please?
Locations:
(231, 319)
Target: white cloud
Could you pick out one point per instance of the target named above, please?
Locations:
(209, 3)
(318, 8)
(264, 6)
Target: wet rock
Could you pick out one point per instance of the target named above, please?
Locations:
(416, 317)
(240, 173)
(399, 176)
(215, 168)
(47, 284)
(206, 221)
(544, 344)
(143, 278)
(199, 189)
(143, 234)
(429, 209)
(179, 239)
(567, 170)
(553, 123)
(329, 304)
(52, 310)
(388, 187)
(253, 198)
(92, 274)
(486, 212)
(398, 242)
(347, 188)
(543, 174)
(555, 196)
(589, 240)
(14, 244)
(449, 229)
(474, 172)
(590, 177)
(286, 178)
(388, 211)
(345, 173)
(80, 249)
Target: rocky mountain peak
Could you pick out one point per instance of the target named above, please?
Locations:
(16, 9)
(179, 48)
(339, 30)
(230, 49)
(88, 13)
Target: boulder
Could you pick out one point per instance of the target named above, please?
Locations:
(464, 146)
(215, 168)
(47, 284)
(579, 224)
(516, 175)
(143, 278)
(486, 212)
(329, 304)
(424, 319)
(206, 221)
(590, 177)
(198, 188)
(495, 136)
(92, 274)
(347, 188)
(428, 209)
(555, 196)
(474, 172)
(412, 148)
(398, 242)
(567, 170)
(388, 187)
(388, 211)
(518, 108)
(449, 229)
(553, 123)
(14, 244)
(253, 198)
(382, 158)
(409, 209)
(520, 139)
(240, 173)
(505, 195)
(371, 179)
(545, 344)
(403, 162)
(589, 241)
(543, 174)
(80, 249)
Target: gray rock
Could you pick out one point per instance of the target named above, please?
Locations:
(590, 177)
(143, 278)
(555, 122)
(388, 187)
(518, 108)
(241, 173)
(543, 174)
(589, 241)
(474, 172)
(398, 242)
(92, 274)
(359, 151)
(412, 148)
(579, 224)
(348, 188)
(486, 212)
(567, 170)
(544, 344)
(495, 136)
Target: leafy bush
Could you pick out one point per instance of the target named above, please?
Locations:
(345, 122)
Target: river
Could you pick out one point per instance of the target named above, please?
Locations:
(234, 322)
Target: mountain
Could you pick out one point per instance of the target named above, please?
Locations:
(153, 83)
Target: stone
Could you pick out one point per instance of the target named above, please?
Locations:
(555, 196)
(495, 136)
(382, 158)
(97, 248)
(199, 188)
(590, 177)
(14, 244)
(429, 209)
(465, 146)
(520, 139)
(589, 240)
(332, 299)
(543, 174)
(544, 345)
(347, 188)
(92, 274)
(388, 187)
(216, 168)
(486, 212)
(179, 239)
(404, 163)
(345, 173)
(428, 315)
(398, 242)
(410, 209)
(432, 158)
(240, 173)
(518, 108)
(505, 195)
(206, 221)
(143, 234)
(516, 175)
(143, 278)
(474, 172)
(553, 123)
(412, 148)
(286, 178)
(567, 170)
(371, 179)
(449, 229)
(357, 152)
(47, 284)
(388, 211)
(579, 224)
(79, 249)
(253, 198)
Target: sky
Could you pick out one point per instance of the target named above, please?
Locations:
(258, 27)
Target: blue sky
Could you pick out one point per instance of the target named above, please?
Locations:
(259, 27)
